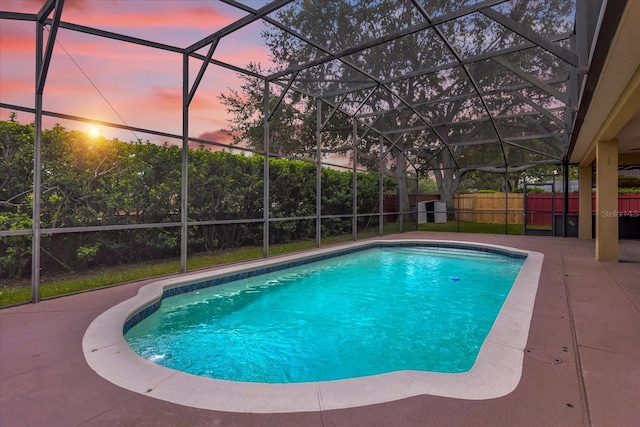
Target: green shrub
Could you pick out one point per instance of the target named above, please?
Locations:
(629, 190)
(625, 181)
(536, 190)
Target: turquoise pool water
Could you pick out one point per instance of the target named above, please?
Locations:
(370, 312)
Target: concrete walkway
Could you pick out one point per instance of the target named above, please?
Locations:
(581, 367)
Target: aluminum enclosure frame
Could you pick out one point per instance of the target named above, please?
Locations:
(428, 142)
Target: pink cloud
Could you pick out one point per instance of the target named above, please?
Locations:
(166, 17)
(143, 84)
(177, 18)
(222, 136)
(162, 14)
(97, 48)
(175, 23)
(163, 98)
(11, 87)
(241, 57)
(17, 39)
(132, 14)
(22, 6)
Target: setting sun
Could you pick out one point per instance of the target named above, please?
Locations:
(94, 131)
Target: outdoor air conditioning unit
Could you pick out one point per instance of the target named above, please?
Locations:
(432, 211)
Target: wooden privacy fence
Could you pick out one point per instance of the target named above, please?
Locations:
(490, 207)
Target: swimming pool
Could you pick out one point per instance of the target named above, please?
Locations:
(382, 309)
(496, 370)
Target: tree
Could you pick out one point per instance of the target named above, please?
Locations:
(88, 181)
(16, 194)
(292, 126)
(458, 133)
(461, 158)
(224, 186)
(421, 185)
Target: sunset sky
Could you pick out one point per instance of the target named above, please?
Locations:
(121, 82)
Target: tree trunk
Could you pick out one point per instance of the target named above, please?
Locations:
(448, 181)
(400, 174)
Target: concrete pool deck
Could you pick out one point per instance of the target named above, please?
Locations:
(581, 365)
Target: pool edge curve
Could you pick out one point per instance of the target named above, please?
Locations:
(495, 373)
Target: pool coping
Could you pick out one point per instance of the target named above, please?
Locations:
(496, 372)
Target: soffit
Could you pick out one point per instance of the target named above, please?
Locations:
(613, 110)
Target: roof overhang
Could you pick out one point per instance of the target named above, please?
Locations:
(610, 102)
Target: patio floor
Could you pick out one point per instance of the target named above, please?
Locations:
(587, 315)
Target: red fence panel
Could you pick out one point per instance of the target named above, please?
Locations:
(629, 204)
(539, 206)
(391, 203)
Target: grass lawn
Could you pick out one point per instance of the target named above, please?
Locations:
(472, 227)
(19, 291)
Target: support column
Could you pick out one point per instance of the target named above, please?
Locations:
(607, 200)
(37, 175)
(184, 171)
(318, 173)
(506, 199)
(565, 195)
(585, 220)
(43, 61)
(266, 201)
(354, 182)
(381, 188)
